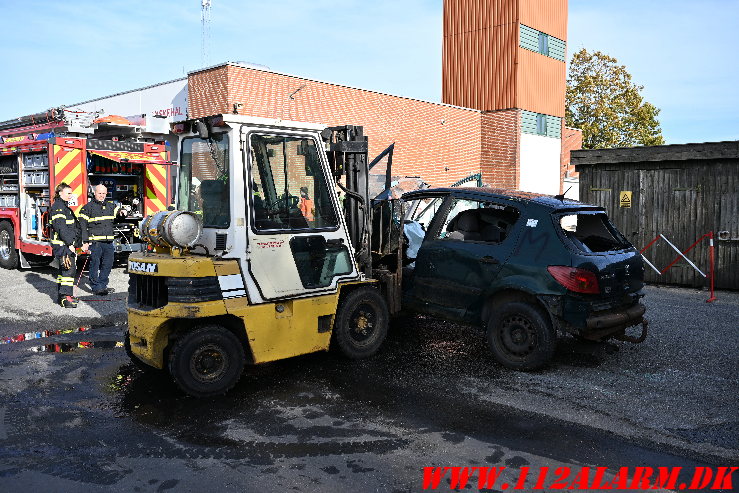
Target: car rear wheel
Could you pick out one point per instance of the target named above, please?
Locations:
(361, 323)
(521, 336)
(206, 362)
(8, 253)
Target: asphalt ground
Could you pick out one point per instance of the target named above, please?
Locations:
(87, 420)
(29, 301)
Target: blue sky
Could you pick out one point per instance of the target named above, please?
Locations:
(683, 52)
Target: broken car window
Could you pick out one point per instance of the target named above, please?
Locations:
(471, 220)
(589, 232)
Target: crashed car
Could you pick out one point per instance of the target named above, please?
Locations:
(526, 267)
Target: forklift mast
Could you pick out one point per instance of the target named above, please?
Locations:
(347, 156)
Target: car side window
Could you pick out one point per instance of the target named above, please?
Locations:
(473, 220)
(424, 211)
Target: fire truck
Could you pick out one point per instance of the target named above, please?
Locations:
(130, 156)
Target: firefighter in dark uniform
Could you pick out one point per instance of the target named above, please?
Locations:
(66, 238)
(96, 219)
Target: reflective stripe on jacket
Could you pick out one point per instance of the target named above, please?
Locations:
(96, 219)
(65, 224)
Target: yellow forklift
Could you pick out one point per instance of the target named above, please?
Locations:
(269, 255)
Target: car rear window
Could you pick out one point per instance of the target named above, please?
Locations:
(591, 232)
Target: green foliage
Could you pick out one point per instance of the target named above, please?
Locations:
(607, 106)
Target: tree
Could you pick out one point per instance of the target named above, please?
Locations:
(607, 106)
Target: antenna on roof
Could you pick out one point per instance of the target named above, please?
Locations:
(205, 31)
(561, 196)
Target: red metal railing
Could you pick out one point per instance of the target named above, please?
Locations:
(682, 254)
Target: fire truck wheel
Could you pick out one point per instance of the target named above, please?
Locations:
(207, 361)
(8, 253)
(361, 323)
(521, 336)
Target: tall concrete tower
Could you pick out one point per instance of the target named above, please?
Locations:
(509, 56)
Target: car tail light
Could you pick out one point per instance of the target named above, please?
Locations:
(577, 280)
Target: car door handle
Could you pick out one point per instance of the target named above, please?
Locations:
(489, 260)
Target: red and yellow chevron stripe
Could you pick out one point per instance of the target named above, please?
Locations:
(69, 167)
(155, 188)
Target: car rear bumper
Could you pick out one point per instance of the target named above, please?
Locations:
(622, 317)
(601, 326)
(597, 320)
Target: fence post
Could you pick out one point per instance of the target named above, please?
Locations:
(712, 298)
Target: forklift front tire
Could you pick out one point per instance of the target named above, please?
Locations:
(361, 323)
(207, 361)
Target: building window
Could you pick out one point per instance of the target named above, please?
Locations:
(540, 42)
(544, 44)
(541, 124)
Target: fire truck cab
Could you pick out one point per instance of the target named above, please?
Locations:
(130, 156)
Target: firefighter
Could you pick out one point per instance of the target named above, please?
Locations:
(96, 221)
(66, 238)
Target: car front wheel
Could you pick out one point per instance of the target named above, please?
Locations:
(521, 336)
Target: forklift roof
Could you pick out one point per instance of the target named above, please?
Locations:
(269, 122)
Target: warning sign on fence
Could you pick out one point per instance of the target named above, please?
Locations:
(625, 198)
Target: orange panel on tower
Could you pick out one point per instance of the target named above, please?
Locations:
(483, 66)
(548, 16)
(479, 53)
(541, 84)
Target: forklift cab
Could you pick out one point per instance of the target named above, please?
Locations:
(265, 195)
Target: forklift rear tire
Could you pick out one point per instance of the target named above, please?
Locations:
(207, 361)
(361, 323)
(521, 336)
(8, 254)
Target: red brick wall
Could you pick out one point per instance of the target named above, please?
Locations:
(207, 93)
(500, 148)
(571, 141)
(439, 143)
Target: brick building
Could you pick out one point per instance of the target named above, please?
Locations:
(439, 142)
(503, 88)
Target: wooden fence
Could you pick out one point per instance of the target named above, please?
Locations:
(680, 191)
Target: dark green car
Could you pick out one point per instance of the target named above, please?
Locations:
(526, 267)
